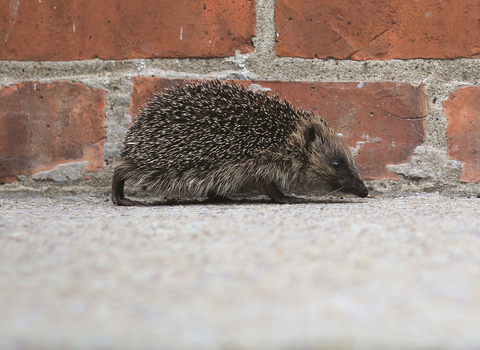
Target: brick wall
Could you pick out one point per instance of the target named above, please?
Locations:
(398, 79)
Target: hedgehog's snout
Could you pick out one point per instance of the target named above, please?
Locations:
(358, 188)
(354, 185)
(363, 193)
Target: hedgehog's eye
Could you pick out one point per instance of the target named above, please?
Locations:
(335, 164)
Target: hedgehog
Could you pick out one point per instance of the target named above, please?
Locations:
(211, 139)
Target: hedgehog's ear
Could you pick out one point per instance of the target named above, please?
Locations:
(312, 134)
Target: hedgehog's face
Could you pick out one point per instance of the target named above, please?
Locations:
(332, 162)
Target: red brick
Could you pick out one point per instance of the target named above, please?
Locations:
(43, 125)
(380, 30)
(115, 29)
(462, 109)
(388, 117)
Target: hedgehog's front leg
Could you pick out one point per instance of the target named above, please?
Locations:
(271, 189)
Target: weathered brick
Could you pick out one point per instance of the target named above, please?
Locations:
(388, 117)
(44, 125)
(115, 29)
(365, 29)
(462, 110)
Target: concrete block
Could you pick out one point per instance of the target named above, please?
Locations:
(463, 130)
(378, 30)
(114, 29)
(44, 125)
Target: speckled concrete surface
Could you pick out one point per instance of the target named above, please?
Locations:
(381, 273)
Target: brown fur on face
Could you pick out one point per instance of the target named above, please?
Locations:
(329, 159)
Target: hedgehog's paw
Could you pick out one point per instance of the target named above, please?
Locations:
(125, 202)
(277, 196)
(288, 200)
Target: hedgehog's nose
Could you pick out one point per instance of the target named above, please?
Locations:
(363, 193)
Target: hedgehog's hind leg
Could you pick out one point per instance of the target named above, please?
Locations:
(212, 197)
(118, 196)
(271, 190)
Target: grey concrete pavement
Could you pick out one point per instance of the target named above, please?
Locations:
(378, 273)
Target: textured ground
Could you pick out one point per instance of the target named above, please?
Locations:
(378, 273)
